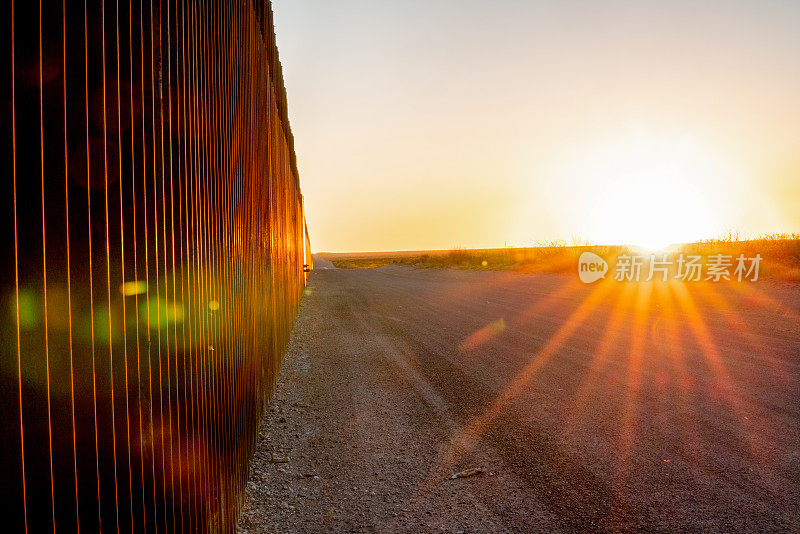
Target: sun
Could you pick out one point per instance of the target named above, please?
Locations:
(648, 211)
(643, 189)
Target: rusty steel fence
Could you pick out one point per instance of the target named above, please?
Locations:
(153, 249)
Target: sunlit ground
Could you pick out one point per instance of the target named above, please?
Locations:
(693, 345)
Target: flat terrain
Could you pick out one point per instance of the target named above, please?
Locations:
(610, 407)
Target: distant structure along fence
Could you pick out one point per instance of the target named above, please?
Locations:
(153, 247)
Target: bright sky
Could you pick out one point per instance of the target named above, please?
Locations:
(427, 124)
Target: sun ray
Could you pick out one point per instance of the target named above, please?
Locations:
(732, 318)
(610, 334)
(480, 336)
(713, 357)
(627, 434)
(692, 439)
(766, 301)
(467, 436)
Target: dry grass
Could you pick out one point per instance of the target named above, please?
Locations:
(780, 256)
(780, 252)
(363, 263)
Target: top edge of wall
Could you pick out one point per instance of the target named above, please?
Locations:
(263, 10)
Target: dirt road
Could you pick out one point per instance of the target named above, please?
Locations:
(610, 407)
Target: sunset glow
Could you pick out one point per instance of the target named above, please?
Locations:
(624, 122)
(646, 190)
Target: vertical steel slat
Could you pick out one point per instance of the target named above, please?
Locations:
(153, 273)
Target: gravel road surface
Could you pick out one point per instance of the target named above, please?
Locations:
(608, 407)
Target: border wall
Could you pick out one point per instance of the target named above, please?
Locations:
(153, 245)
